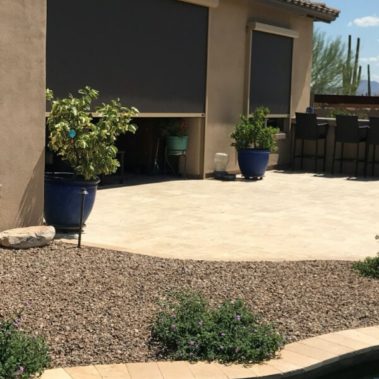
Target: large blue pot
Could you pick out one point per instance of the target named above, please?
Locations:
(253, 162)
(63, 200)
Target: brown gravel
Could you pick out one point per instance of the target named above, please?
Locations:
(96, 306)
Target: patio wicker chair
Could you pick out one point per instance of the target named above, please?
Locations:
(372, 139)
(308, 129)
(348, 131)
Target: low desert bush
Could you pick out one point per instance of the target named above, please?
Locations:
(369, 267)
(22, 356)
(187, 328)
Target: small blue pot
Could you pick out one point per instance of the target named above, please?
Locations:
(253, 162)
(63, 200)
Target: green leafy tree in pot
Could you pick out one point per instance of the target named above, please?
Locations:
(252, 132)
(175, 130)
(174, 127)
(88, 147)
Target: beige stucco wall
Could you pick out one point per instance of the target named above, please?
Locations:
(194, 168)
(22, 110)
(227, 60)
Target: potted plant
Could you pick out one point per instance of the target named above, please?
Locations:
(87, 146)
(254, 140)
(176, 132)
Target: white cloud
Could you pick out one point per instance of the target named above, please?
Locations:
(367, 21)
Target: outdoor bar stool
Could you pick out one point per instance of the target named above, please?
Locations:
(348, 131)
(307, 129)
(372, 139)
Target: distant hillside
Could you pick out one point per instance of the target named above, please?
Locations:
(362, 89)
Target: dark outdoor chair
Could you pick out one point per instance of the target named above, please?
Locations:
(348, 131)
(372, 139)
(307, 129)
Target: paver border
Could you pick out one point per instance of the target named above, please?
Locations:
(313, 356)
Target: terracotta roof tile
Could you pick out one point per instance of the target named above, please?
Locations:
(321, 8)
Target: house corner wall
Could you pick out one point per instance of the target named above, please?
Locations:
(22, 111)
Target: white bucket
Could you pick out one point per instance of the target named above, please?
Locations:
(221, 161)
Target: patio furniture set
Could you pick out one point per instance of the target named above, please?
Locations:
(348, 130)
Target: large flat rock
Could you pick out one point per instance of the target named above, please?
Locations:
(25, 238)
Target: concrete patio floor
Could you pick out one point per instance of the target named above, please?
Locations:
(285, 216)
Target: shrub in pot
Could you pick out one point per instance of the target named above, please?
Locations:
(176, 132)
(254, 140)
(87, 146)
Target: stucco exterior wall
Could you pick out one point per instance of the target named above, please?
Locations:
(194, 152)
(22, 111)
(227, 62)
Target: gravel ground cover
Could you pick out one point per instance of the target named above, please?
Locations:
(96, 306)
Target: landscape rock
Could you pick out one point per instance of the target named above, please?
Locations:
(25, 238)
(97, 306)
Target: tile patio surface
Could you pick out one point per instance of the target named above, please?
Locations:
(286, 216)
(295, 358)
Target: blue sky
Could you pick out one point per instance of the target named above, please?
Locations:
(360, 18)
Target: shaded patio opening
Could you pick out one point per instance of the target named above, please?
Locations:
(141, 155)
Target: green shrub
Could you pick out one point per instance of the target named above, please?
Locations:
(369, 267)
(334, 111)
(188, 329)
(87, 146)
(22, 356)
(175, 127)
(252, 132)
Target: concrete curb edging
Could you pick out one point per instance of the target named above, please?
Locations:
(306, 356)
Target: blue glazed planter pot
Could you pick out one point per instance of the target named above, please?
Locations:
(253, 162)
(63, 200)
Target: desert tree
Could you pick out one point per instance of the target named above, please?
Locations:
(328, 62)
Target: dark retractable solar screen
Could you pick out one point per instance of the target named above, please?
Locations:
(150, 53)
(271, 71)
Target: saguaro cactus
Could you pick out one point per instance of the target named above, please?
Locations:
(368, 80)
(351, 71)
